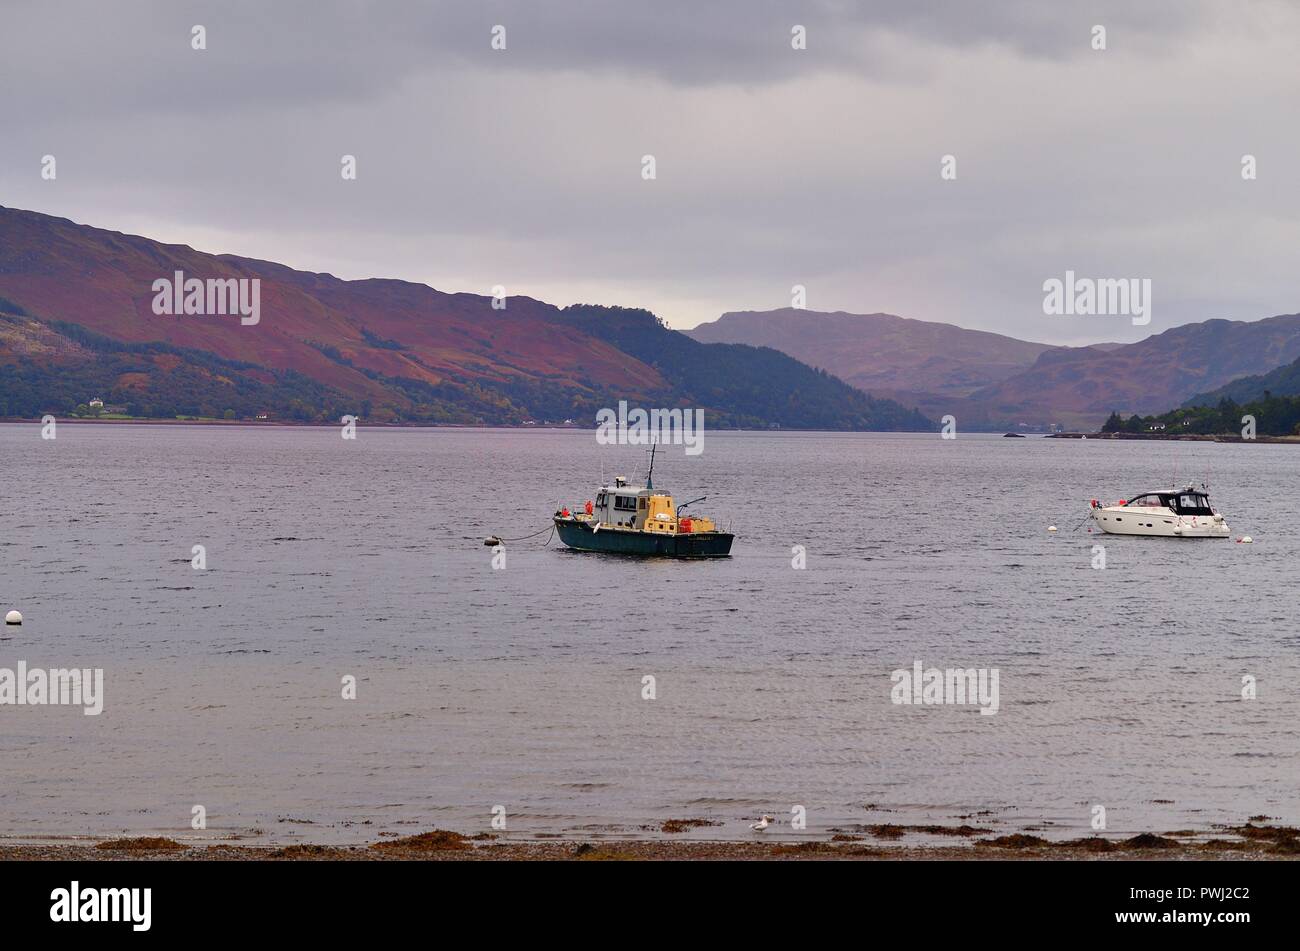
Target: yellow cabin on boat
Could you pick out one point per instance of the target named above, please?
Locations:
(661, 515)
(634, 507)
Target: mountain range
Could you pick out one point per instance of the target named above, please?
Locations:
(989, 381)
(78, 321)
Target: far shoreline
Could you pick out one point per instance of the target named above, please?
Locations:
(363, 424)
(1179, 437)
(561, 427)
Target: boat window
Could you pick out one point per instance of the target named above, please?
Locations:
(626, 503)
(1153, 500)
(1192, 504)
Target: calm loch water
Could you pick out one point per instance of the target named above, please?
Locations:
(522, 687)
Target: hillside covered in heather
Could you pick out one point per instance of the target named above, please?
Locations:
(77, 322)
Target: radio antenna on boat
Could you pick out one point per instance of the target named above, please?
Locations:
(650, 475)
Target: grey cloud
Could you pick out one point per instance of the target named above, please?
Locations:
(91, 56)
(775, 167)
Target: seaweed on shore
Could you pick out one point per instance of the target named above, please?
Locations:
(1017, 840)
(140, 844)
(811, 845)
(589, 853)
(308, 852)
(437, 840)
(1283, 839)
(1276, 834)
(891, 830)
(1149, 840)
(1093, 843)
(682, 825)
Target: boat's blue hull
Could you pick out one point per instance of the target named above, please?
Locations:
(582, 536)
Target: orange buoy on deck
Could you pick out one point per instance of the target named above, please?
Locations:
(589, 508)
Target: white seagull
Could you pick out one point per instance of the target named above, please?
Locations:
(762, 824)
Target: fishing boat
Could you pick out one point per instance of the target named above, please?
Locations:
(626, 519)
(1172, 513)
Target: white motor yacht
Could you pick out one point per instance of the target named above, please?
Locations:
(1173, 513)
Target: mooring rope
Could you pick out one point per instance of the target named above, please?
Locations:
(497, 539)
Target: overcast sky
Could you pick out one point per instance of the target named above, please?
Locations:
(775, 166)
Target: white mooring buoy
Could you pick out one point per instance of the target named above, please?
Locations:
(1245, 540)
(1051, 528)
(13, 617)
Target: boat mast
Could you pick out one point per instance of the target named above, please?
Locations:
(650, 476)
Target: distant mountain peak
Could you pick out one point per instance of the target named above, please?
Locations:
(920, 362)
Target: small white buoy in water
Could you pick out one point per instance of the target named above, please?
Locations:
(1245, 540)
(1051, 528)
(13, 617)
